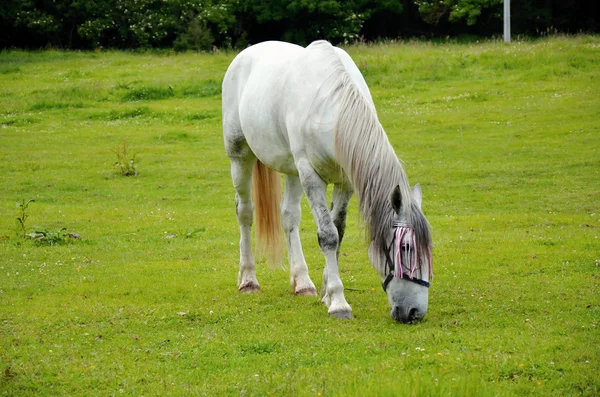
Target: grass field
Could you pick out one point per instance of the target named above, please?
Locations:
(504, 140)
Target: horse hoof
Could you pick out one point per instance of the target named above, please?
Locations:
(307, 292)
(342, 315)
(249, 288)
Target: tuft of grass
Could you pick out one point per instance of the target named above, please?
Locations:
(19, 121)
(121, 114)
(9, 69)
(148, 94)
(199, 116)
(204, 89)
(50, 105)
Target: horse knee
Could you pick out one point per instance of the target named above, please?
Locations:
(340, 225)
(244, 211)
(290, 219)
(328, 238)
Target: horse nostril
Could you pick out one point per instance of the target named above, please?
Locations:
(412, 314)
(396, 313)
(406, 316)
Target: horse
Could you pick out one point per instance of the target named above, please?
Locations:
(308, 114)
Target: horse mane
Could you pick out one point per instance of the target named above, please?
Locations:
(365, 154)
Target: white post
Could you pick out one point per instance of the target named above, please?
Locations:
(507, 21)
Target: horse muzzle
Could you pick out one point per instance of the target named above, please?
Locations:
(407, 313)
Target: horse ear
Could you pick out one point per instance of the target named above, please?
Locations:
(417, 195)
(396, 199)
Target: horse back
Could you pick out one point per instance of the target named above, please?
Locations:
(279, 93)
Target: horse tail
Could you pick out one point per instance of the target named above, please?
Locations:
(266, 193)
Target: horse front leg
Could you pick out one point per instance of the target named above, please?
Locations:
(339, 209)
(315, 189)
(290, 215)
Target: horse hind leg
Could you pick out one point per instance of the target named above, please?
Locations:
(290, 216)
(242, 164)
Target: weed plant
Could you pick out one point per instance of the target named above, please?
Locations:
(41, 235)
(125, 163)
(23, 215)
(50, 237)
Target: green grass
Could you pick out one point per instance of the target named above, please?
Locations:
(504, 139)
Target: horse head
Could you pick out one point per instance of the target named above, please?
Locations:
(404, 259)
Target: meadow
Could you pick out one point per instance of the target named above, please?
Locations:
(504, 140)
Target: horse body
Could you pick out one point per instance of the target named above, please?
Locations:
(307, 113)
(268, 91)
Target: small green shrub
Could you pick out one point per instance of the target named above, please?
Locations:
(197, 37)
(52, 237)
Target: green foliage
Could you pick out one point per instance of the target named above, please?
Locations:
(34, 19)
(136, 23)
(434, 11)
(126, 163)
(304, 21)
(202, 25)
(197, 37)
(52, 237)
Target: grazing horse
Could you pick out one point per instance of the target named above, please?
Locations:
(307, 113)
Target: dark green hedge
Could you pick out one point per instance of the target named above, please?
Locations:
(202, 24)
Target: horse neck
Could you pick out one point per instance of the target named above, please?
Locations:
(367, 157)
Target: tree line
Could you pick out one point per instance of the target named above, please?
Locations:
(205, 24)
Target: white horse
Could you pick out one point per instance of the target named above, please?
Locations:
(308, 113)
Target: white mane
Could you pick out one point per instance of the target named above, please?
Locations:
(364, 152)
